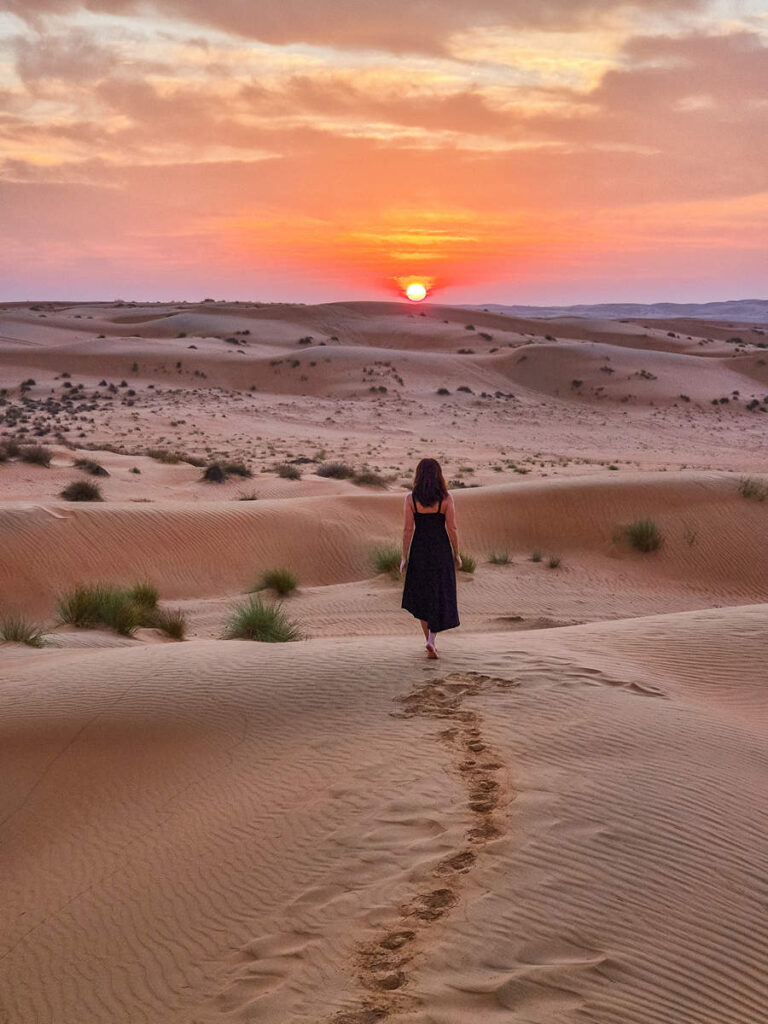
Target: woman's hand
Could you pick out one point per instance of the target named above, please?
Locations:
(457, 559)
(402, 564)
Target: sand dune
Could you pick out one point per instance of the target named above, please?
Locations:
(714, 537)
(563, 819)
(218, 831)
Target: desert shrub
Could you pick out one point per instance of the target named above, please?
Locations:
(282, 581)
(554, 561)
(163, 455)
(751, 488)
(90, 605)
(499, 558)
(214, 474)
(367, 478)
(144, 594)
(89, 466)
(12, 448)
(288, 472)
(17, 630)
(643, 535)
(536, 556)
(172, 622)
(3, 454)
(82, 490)
(248, 496)
(386, 558)
(468, 562)
(337, 470)
(36, 454)
(261, 620)
(237, 469)
(443, 391)
(123, 609)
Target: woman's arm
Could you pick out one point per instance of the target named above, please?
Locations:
(408, 527)
(450, 524)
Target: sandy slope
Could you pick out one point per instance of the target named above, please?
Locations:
(212, 831)
(563, 820)
(713, 545)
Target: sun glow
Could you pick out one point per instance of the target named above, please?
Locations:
(416, 291)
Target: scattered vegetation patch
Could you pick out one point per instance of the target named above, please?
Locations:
(367, 478)
(172, 622)
(16, 630)
(89, 466)
(468, 562)
(35, 454)
(386, 559)
(214, 474)
(643, 535)
(257, 619)
(499, 558)
(753, 489)
(536, 556)
(82, 490)
(443, 391)
(123, 609)
(237, 469)
(554, 561)
(163, 455)
(288, 472)
(282, 581)
(336, 470)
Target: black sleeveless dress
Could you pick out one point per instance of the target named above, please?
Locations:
(429, 591)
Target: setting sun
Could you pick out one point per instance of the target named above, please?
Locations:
(416, 292)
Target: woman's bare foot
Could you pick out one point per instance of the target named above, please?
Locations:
(431, 652)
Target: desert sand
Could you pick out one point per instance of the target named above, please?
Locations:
(563, 819)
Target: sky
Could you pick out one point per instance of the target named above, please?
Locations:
(508, 151)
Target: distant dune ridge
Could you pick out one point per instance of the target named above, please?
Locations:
(743, 310)
(563, 818)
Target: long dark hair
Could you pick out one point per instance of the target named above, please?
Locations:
(429, 485)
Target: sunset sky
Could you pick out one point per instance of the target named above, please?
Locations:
(519, 151)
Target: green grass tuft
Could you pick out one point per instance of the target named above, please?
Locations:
(536, 556)
(499, 558)
(16, 630)
(257, 619)
(468, 562)
(123, 609)
(282, 581)
(554, 561)
(644, 535)
(172, 622)
(386, 558)
(144, 594)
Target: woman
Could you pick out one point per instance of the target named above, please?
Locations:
(430, 582)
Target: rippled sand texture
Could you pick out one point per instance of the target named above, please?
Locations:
(563, 820)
